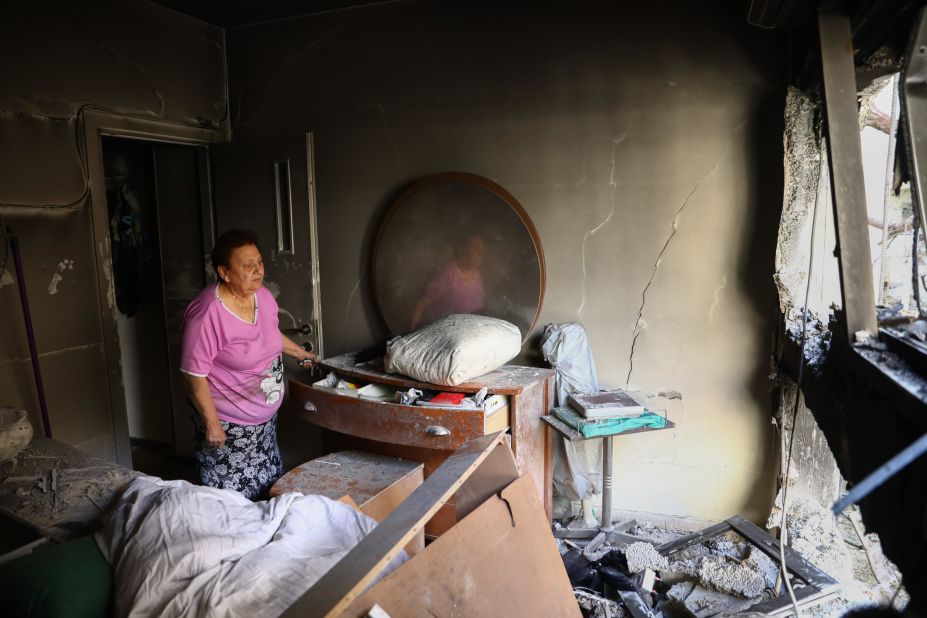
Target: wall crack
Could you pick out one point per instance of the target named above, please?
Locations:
(639, 323)
(347, 305)
(612, 185)
(75, 348)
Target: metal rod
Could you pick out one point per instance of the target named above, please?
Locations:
(30, 333)
(606, 517)
(886, 471)
(913, 99)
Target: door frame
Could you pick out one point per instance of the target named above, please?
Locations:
(314, 267)
(96, 125)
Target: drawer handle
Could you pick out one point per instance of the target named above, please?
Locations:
(310, 407)
(437, 430)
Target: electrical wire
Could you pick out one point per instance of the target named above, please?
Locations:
(783, 529)
(889, 181)
(915, 278)
(80, 142)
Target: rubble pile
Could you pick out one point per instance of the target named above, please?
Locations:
(719, 576)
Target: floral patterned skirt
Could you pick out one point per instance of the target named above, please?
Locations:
(249, 463)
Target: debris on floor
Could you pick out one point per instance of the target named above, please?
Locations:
(57, 489)
(725, 571)
(595, 606)
(642, 556)
(865, 575)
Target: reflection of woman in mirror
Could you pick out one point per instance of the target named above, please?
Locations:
(457, 287)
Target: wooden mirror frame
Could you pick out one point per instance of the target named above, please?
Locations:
(483, 183)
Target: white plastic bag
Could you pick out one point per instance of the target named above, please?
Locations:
(577, 472)
(453, 349)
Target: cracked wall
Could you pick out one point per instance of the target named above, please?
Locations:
(61, 57)
(644, 143)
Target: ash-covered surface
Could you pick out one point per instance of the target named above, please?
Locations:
(817, 340)
(727, 575)
(864, 580)
(57, 489)
(882, 59)
(894, 366)
(595, 606)
(726, 565)
(802, 172)
(689, 598)
(653, 534)
(730, 576)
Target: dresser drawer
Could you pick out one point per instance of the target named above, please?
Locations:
(432, 428)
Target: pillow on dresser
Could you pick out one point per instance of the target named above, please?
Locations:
(453, 349)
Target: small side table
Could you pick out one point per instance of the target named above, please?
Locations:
(605, 519)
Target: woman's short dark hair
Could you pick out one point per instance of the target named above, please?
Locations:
(228, 242)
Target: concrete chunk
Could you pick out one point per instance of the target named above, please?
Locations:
(644, 556)
(731, 577)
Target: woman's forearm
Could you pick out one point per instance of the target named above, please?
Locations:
(291, 348)
(198, 390)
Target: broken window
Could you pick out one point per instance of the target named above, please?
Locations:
(898, 266)
(807, 270)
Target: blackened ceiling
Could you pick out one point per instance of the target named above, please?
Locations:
(236, 13)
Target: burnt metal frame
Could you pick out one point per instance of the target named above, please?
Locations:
(817, 586)
(913, 98)
(850, 213)
(846, 171)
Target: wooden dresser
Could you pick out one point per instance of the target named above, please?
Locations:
(429, 434)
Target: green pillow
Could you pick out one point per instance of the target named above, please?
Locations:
(68, 580)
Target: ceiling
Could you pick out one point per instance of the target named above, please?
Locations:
(237, 13)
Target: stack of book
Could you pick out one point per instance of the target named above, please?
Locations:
(610, 426)
(607, 413)
(606, 404)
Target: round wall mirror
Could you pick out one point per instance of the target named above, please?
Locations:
(457, 243)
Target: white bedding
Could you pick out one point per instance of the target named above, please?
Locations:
(182, 550)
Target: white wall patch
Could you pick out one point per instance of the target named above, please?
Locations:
(63, 265)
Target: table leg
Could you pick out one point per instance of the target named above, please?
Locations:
(606, 516)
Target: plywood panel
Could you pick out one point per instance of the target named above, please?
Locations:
(501, 560)
(347, 579)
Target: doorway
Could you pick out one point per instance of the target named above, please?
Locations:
(155, 212)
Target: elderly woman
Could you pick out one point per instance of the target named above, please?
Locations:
(233, 368)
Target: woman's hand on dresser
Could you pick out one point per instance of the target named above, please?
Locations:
(294, 350)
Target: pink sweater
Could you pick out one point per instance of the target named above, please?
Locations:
(242, 362)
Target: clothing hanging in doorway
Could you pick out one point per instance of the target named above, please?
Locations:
(128, 247)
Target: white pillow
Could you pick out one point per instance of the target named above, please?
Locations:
(454, 349)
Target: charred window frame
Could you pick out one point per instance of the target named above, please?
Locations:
(844, 158)
(913, 123)
(884, 361)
